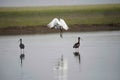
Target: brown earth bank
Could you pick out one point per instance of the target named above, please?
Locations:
(17, 30)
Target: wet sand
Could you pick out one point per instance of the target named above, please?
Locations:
(17, 30)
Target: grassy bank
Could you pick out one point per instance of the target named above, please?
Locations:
(41, 16)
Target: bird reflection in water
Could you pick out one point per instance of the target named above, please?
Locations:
(77, 55)
(22, 57)
(60, 68)
(22, 46)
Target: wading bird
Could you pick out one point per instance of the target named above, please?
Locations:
(58, 24)
(22, 46)
(76, 45)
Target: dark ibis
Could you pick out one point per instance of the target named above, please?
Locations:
(22, 46)
(77, 45)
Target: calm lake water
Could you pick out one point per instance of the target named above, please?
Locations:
(49, 57)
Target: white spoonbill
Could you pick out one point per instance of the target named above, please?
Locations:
(58, 24)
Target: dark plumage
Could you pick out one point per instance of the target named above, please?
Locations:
(22, 46)
(76, 45)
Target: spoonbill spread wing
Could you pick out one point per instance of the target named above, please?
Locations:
(63, 24)
(54, 23)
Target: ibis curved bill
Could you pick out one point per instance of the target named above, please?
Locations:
(59, 24)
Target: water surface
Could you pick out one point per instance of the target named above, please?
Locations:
(49, 57)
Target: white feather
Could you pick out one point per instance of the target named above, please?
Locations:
(63, 24)
(57, 24)
(54, 22)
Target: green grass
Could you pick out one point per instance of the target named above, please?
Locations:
(34, 16)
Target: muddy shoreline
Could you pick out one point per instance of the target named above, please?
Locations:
(17, 30)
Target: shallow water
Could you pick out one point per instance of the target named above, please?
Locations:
(49, 57)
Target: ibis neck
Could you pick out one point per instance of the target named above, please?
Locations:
(20, 41)
(78, 41)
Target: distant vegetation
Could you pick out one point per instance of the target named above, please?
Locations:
(41, 16)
